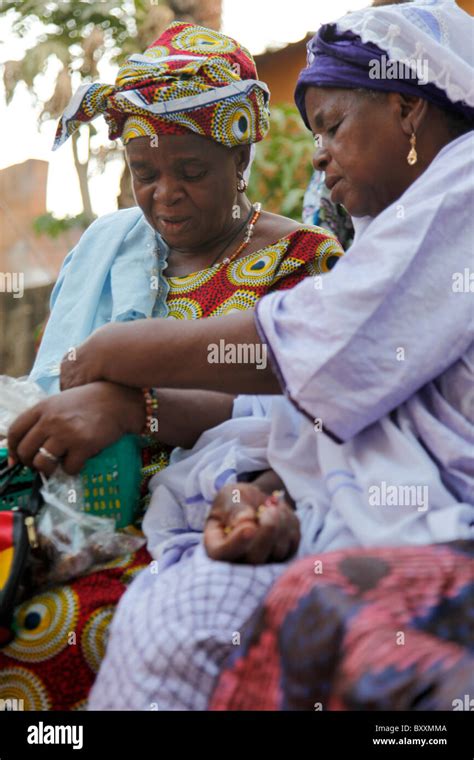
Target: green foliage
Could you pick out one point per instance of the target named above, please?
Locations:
(68, 28)
(282, 166)
(47, 224)
(68, 21)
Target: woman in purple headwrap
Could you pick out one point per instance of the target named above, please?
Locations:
(346, 84)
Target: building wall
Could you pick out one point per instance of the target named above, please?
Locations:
(19, 321)
(29, 264)
(280, 70)
(22, 199)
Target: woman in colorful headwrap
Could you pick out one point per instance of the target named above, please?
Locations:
(188, 111)
(387, 393)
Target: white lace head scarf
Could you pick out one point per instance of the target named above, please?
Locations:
(432, 38)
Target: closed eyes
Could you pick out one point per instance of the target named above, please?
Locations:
(187, 177)
(191, 177)
(332, 130)
(145, 179)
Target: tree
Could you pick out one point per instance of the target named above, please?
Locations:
(76, 35)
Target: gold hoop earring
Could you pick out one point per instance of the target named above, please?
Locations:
(241, 185)
(412, 157)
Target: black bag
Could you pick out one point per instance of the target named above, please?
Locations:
(17, 538)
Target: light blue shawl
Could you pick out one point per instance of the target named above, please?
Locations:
(114, 274)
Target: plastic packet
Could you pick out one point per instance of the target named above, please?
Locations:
(71, 541)
(17, 394)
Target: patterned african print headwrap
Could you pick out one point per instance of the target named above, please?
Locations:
(191, 79)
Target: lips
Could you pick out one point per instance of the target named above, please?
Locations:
(173, 219)
(331, 181)
(333, 185)
(172, 223)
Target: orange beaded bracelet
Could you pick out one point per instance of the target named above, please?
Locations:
(151, 411)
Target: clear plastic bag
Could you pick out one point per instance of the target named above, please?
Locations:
(71, 541)
(17, 394)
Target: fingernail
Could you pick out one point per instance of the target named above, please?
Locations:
(274, 499)
(269, 514)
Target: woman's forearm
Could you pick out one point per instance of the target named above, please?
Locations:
(184, 415)
(220, 354)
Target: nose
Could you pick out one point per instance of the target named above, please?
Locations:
(167, 191)
(321, 159)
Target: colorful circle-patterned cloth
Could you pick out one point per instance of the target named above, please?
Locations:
(61, 637)
(239, 284)
(191, 79)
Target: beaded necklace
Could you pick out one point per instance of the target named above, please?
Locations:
(253, 216)
(257, 210)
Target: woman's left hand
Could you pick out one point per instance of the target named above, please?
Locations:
(257, 529)
(105, 355)
(75, 425)
(85, 363)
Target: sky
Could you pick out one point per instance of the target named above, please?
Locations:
(256, 24)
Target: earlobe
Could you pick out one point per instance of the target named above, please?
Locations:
(413, 113)
(242, 158)
(241, 184)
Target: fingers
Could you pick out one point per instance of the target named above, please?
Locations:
(263, 543)
(235, 496)
(30, 444)
(73, 461)
(27, 435)
(288, 540)
(227, 546)
(20, 428)
(68, 377)
(268, 534)
(83, 364)
(47, 457)
(281, 543)
(31, 432)
(261, 529)
(72, 373)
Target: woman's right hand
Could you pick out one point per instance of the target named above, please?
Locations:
(75, 425)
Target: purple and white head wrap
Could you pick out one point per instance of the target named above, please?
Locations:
(415, 49)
